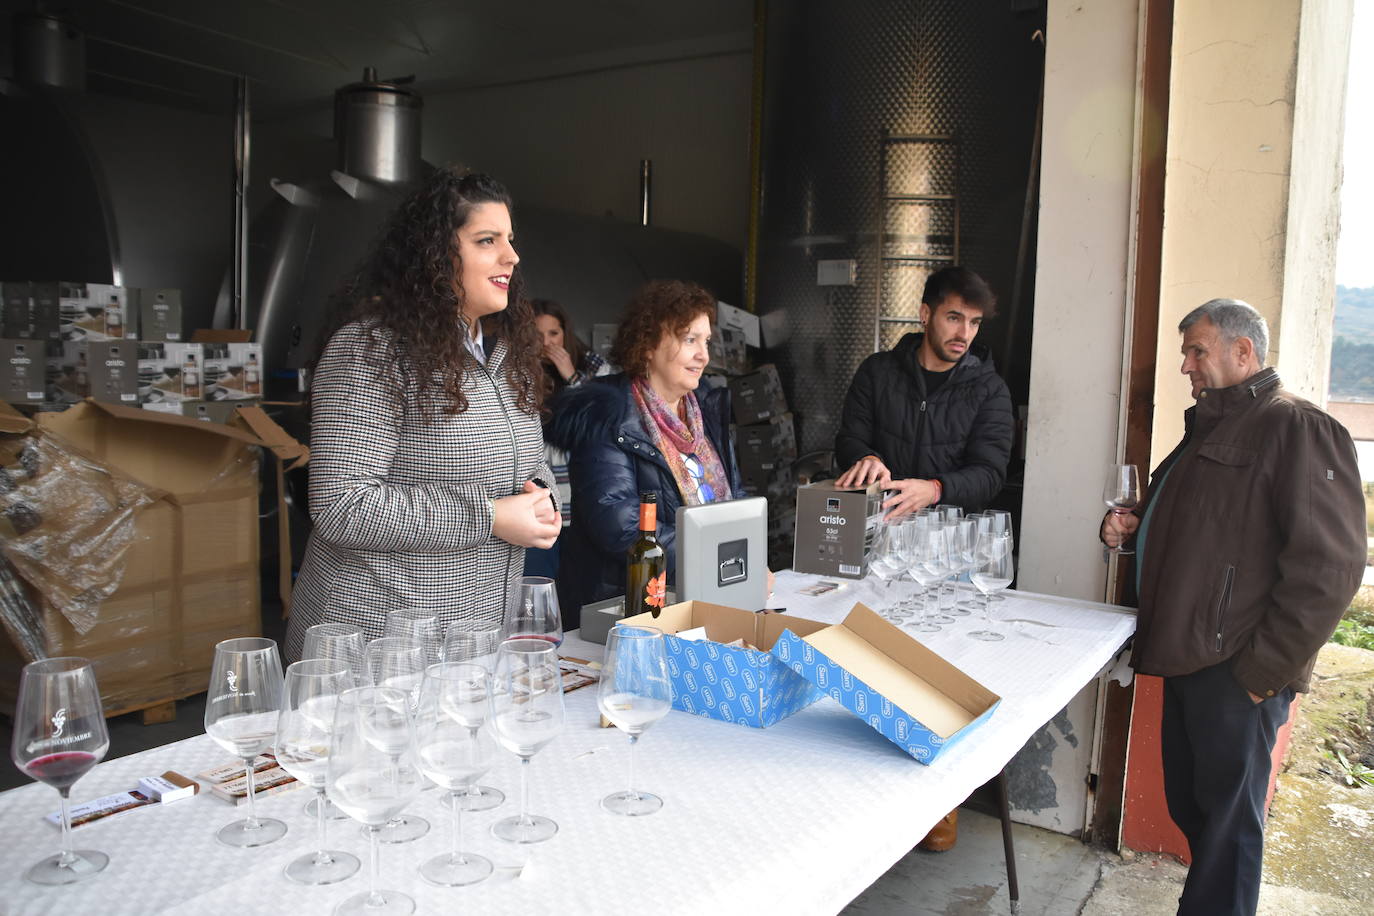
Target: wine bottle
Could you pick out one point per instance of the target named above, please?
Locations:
(646, 564)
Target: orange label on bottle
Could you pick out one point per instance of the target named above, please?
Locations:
(648, 516)
(657, 590)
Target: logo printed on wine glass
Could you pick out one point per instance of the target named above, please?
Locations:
(59, 721)
(233, 680)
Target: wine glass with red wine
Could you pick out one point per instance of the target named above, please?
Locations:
(533, 611)
(59, 734)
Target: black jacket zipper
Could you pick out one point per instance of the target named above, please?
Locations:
(1224, 602)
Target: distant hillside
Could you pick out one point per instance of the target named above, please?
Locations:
(1352, 352)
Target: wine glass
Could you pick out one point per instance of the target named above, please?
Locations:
(1000, 520)
(526, 714)
(928, 561)
(373, 775)
(341, 641)
(241, 710)
(533, 611)
(887, 562)
(59, 734)
(454, 750)
(475, 642)
(1121, 493)
(634, 692)
(398, 662)
(420, 625)
(992, 572)
(304, 727)
(963, 535)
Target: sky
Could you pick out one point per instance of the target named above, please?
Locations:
(1355, 251)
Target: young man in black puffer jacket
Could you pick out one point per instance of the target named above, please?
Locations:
(930, 418)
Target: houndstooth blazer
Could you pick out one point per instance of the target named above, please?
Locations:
(403, 508)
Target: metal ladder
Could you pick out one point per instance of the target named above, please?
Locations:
(918, 230)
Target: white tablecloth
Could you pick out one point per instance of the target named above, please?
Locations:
(797, 818)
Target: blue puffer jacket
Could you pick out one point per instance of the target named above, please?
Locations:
(612, 460)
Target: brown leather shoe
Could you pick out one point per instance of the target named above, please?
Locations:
(943, 835)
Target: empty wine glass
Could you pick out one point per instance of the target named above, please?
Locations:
(420, 625)
(1121, 493)
(982, 523)
(634, 692)
(398, 662)
(928, 561)
(887, 561)
(992, 572)
(963, 538)
(1000, 520)
(372, 776)
(346, 643)
(475, 642)
(526, 714)
(533, 611)
(454, 751)
(59, 734)
(304, 727)
(343, 642)
(241, 710)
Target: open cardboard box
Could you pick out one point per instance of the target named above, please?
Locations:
(744, 686)
(192, 574)
(916, 699)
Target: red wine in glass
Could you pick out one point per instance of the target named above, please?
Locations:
(61, 770)
(59, 735)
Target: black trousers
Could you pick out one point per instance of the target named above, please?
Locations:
(1217, 744)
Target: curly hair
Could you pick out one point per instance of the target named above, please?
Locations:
(409, 289)
(658, 308)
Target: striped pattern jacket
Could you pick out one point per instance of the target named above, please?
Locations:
(402, 508)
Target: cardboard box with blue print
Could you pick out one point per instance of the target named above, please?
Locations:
(904, 691)
(741, 684)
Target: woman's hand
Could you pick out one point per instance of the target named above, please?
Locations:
(527, 519)
(561, 361)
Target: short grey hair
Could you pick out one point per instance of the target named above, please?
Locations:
(1234, 319)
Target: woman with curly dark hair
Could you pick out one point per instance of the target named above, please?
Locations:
(427, 471)
(648, 428)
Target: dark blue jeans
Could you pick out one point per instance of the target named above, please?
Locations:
(1216, 745)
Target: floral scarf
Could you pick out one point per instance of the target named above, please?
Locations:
(696, 467)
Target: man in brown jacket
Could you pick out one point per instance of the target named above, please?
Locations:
(1249, 547)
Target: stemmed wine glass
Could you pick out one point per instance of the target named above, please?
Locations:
(398, 662)
(474, 642)
(241, 709)
(372, 776)
(454, 752)
(420, 625)
(963, 535)
(887, 561)
(59, 734)
(1121, 493)
(533, 611)
(634, 692)
(526, 714)
(1000, 522)
(928, 560)
(304, 727)
(343, 642)
(992, 572)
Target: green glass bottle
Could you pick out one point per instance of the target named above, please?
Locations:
(646, 564)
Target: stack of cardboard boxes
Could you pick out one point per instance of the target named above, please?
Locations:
(766, 447)
(62, 342)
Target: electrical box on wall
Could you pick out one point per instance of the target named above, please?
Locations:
(837, 273)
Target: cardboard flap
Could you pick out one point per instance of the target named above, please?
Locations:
(222, 335)
(272, 436)
(156, 417)
(12, 421)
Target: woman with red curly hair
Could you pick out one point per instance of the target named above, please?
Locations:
(427, 470)
(649, 428)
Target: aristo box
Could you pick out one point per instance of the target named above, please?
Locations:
(833, 526)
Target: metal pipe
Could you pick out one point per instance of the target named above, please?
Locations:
(646, 168)
(242, 156)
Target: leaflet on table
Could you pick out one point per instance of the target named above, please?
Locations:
(165, 789)
(739, 683)
(230, 781)
(903, 690)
